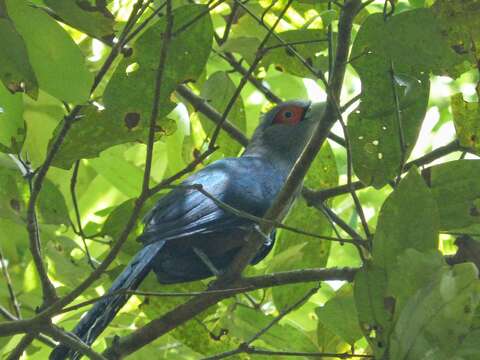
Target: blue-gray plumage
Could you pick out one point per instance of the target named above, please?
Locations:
(186, 224)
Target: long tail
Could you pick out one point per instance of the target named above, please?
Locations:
(99, 316)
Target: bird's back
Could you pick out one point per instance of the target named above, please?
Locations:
(185, 219)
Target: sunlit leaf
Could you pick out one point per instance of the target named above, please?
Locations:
(218, 90)
(96, 21)
(16, 71)
(55, 58)
(12, 124)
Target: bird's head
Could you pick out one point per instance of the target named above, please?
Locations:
(284, 130)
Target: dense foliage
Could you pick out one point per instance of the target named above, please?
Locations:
(107, 104)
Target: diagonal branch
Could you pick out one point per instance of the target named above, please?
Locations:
(243, 81)
(48, 290)
(193, 307)
(316, 197)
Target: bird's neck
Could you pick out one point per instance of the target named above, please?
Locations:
(280, 160)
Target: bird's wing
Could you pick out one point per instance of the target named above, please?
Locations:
(246, 183)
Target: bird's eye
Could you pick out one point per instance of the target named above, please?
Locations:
(289, 115)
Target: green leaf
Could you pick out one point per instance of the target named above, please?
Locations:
(469, 349)
(128, 97)
(284, 60)
(61, 265)
(413, 271)
(41, 118)
(218, 90)
(16, 72)
(51, 205)
(339, 315)
(125, 176)
(375, 136)
(380, 42)
(96, 21)
(13, 194)
(461, 24)
(131, 88)
(381, 47)
(314, 252)
(245, 322)
(243, 45)
(373, 313)
(457, 192)
(115, 222)
(56, 60)
(99, 130)
(466, 117)
(12, 134)
(408, 219)
(438, 317)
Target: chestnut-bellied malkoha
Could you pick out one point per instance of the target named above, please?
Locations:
(187, 236)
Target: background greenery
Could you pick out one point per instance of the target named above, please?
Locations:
(413, 72)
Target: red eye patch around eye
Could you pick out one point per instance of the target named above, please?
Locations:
(289, 115)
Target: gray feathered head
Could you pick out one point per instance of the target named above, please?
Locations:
(284, 130)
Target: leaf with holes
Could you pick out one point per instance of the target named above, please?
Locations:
(131, 88)
(376, 138)
(128, 97)
(382, 56)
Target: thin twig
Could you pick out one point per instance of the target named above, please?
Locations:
(398, 118)
(350, 102)
(258, 57)
(330, 45)
(17, 352)
(142, 26)
(201, 105)
(314, 197)
(72, 341)
(73, 185)
(264, 221)
(228, 24)
(48, 290)
(242, 347)
(196, 305)
(356, 201)
(8, 281)
(189, 23)
(321, 355)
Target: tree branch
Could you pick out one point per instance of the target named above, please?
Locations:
(156, 328)
(25, 342)
(315, 197)
(258, 57)
(193, 307)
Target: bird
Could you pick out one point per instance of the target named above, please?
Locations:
(188, 236)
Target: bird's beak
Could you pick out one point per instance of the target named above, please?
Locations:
(314, 111)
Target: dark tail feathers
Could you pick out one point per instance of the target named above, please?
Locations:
(97, 319)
